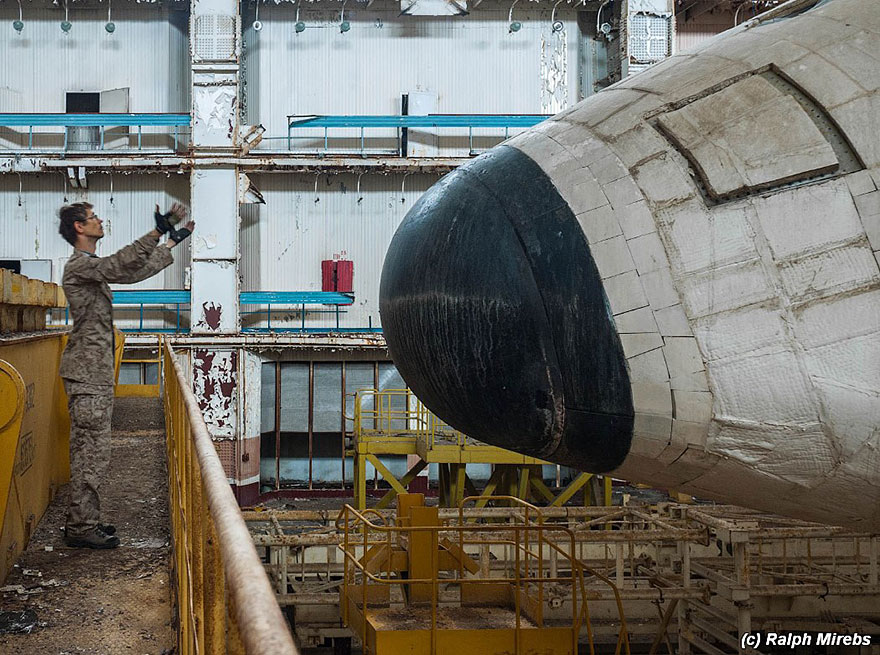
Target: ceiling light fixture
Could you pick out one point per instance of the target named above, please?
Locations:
(257, 25)
(18, 25)
(513, 25)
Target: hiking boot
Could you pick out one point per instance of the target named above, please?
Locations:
(95, 539)
(109, 528)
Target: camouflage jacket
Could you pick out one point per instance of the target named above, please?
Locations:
(89, 353)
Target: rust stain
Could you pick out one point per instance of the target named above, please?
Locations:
(212, 315)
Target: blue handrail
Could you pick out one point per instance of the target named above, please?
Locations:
(431, 120)
(362, 123)
(295, 298)
(107, 120)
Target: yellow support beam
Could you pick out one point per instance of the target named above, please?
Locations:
(387, 475)
(404, 481)
(571, 489)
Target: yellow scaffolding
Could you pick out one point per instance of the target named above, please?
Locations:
(413, 585)
(396, 422)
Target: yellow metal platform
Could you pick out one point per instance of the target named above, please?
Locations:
(395, 422)
(415, 585)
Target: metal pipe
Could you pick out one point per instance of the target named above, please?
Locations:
(262, 627)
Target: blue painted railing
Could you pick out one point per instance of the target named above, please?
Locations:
(363, 123)
(101, 121)
(161, 300)
(292, 298)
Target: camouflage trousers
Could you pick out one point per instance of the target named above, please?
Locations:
(91, 409)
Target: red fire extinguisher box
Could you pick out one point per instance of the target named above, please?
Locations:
(345, 276)
(337, 275)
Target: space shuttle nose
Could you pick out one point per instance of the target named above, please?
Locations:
(494, 312)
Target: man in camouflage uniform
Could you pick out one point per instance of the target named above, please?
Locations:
(87, 365)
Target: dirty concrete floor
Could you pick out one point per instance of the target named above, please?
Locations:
(107, 602)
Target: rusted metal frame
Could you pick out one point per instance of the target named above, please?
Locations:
(262, 626)
(664, 626)
(194, 544)
(446, 513)
(311, 419)
(581, 537)
(277, 425)
(342, 428)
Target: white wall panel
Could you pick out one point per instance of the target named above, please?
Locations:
(148, 53)
(297, 233)
(30, 219)
(689, 34)
(471, 62)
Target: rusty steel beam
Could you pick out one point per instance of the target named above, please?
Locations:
(263, 629)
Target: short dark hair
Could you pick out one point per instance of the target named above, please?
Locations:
(70, 214)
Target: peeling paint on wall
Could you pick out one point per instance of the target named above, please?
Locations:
(212, 314)
(212, 107)
(554, 65)
(215, 375)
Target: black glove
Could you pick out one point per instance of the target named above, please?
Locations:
(179, 235)
(163, 222)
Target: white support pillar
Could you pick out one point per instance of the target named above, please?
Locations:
(215, 48)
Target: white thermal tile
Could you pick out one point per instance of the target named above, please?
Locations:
(728, 288)
(599, 224)
(652, 427)
(636, 219)
(737, 333)
(692, 406)
(552, 156)
(859, 183)
(868, 204)
(747, 444)
(612, 257)
(672, 322)
(622, 192)
(839, 319)
(690, 382)
(853, 362)
(767, 389)
(682, 355)
(636, 344)
(832, 271)
(861, 133)
(652, 398)
(659, 288)
(648, 253)
(648, 367)
(823, 80)
(663, 182)
(625, 293)
(796, 221)
(583, 196)
(608, 168)
(705, 238)
(634, 146)
(857, 57)
(688, 433)
(852, 411)
(638, 320)
(800, 458)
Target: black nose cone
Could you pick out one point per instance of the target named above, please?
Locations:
(495, 315)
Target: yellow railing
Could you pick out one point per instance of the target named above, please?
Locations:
(143, 390)
(224, 599)
(526, 582)
(398, 412)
